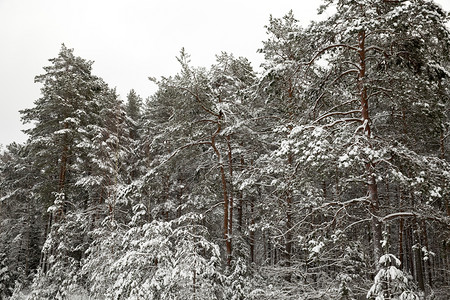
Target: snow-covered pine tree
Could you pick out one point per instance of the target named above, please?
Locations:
(391, 283)
(73, 104)
(370, 49)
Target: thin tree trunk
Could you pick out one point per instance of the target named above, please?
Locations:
(418, 258)
(400, 234)
(240, 203)
(43, 261)
(444, 183)
(63, 165)
(409, 250)
(180, 203)
(400, 241)
(166, 183)
(427, 263)
(230, 197)
(28, 239)
(442, 144)
(287, 254)
(194, 278)
(252, 231)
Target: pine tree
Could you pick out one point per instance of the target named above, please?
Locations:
(59, 146)
(357, 116)
(22, 216)
(390, 282)
(204, 110)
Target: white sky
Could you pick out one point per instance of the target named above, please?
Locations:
(128, 40)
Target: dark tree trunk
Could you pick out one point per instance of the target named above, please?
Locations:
(417, 255)
(252, 232)
(401, 227)
(427, 246)
(230, 197)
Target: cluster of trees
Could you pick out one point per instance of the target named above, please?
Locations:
(325, 176)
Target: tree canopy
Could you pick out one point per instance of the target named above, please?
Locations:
(325, 175)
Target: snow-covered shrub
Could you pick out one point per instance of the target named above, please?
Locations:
(63, 251)
(390, 282)
(236, 281)
(157, 260)
(6, 282)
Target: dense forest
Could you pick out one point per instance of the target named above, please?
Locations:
(326, 175)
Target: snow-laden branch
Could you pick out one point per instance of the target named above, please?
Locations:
(334, 107)
(377, 49)
(174, 153)
(379, 31)
(200, 102)
(377, 93)
(443, 220)
(345, 73)
(337, 113)
(355, 65)
(329, 48)
(356, 223)
(343, 121)
(342, 205)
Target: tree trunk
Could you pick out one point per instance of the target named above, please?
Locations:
(62, 176)
(63, 165)
(180, 198)
(409, 249)
(287, 254)
(370, 168)
(226, 206)
(230, 197)
(400, 242)
(44, 255)
(166, 184)
(427, 262)
(401, 227)
(240, 203)
(252, 231)
(418, 258)
(375, 223)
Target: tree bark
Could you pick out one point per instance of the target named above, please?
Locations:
(252, 232)
(370, 168)
(418, 258)
(427, 246)
(409, 249)
(401, 226)
(240, 203)
(226, 206)
(62, 174)
(230, 197)
(287, 254)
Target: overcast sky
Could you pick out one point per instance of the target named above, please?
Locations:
(128, 40)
